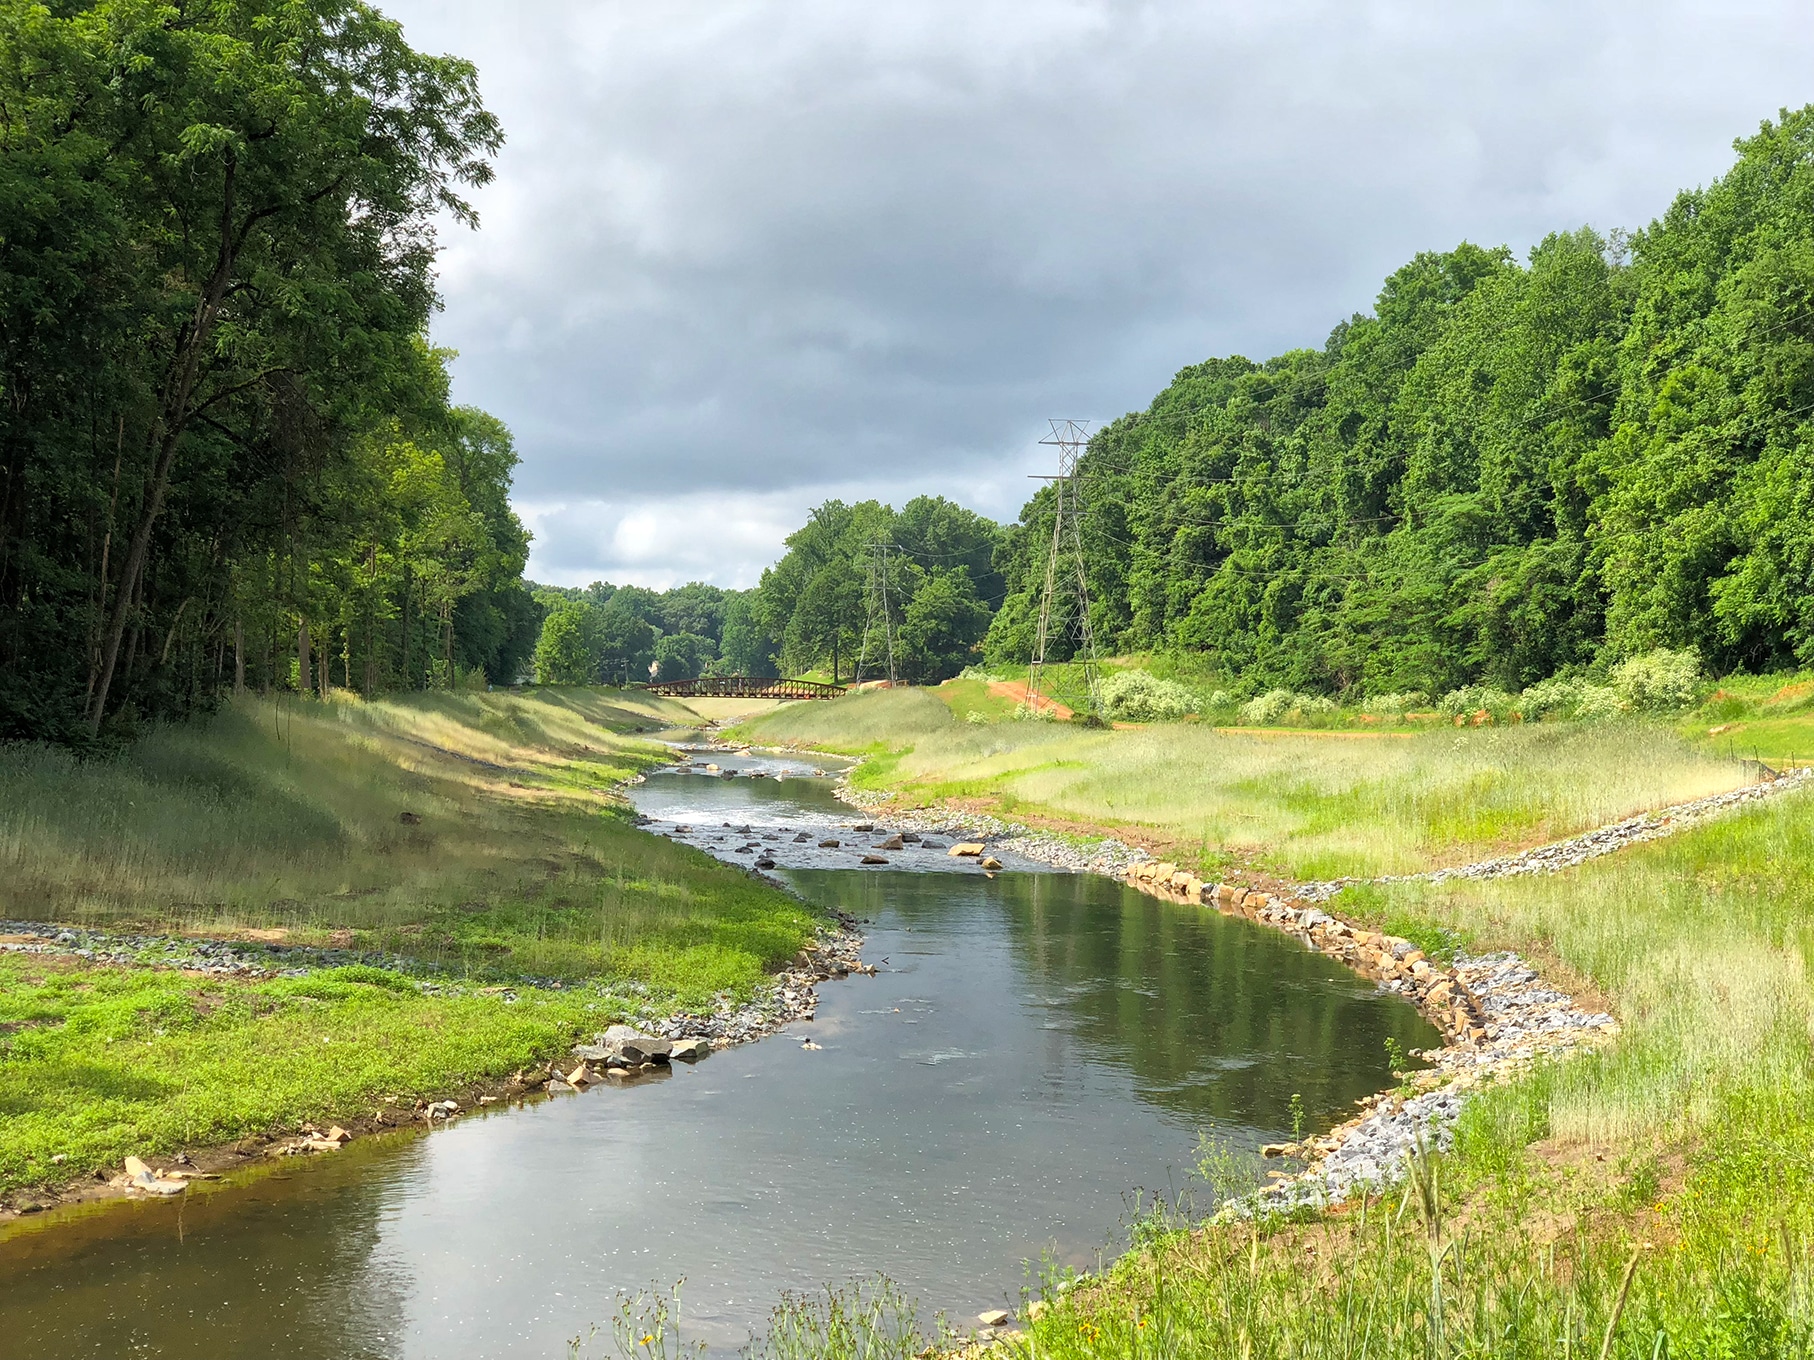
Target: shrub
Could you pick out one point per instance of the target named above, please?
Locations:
(1397, 703)
(1659, 680)
(1278, 705)
(1473, 698)
(1570, 697)
(1139, 696)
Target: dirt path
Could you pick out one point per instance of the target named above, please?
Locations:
(1017, 691)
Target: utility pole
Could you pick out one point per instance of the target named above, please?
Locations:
(1065, 565)
(878, 609)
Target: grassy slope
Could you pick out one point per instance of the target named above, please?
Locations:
(1690, 1143)
(1305, 805)
(285, 821)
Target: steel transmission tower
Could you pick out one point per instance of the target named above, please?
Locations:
(1065, 566)
(878, 608)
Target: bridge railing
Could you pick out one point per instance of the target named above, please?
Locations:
(743, 687)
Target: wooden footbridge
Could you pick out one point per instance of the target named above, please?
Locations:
(743, 687)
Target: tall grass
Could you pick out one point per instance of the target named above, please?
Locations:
(1308, 805)
(1701, 943)
(473, 830)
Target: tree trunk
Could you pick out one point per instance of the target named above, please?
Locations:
(408, 680)
(165, 434)
(303, 676)
(327, 659)
(239, 656)
(447, 641)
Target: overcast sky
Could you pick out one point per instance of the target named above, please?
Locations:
(745, 255)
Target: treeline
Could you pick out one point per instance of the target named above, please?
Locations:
(628, 634)
(1507, 472)
(922, 579)
(227, 453)
(857, 579)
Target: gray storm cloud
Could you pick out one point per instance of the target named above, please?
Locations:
(742, 256)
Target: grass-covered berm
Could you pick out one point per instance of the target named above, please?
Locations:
(1654, 1198)
(474, 841)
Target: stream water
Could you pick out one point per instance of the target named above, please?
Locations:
(1036, 1051)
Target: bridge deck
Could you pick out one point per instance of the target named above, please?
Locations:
(743, 687)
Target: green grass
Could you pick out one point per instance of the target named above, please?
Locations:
(1689, 1145)
(1689, 1142)
(99, 1062)
(479, 835)
(1300, 804)
(286, 820)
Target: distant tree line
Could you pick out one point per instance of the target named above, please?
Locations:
(1507, 472)
(629, 634)
(924, 575)
(227, 452)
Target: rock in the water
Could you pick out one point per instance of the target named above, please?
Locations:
(995, 1317)
(990, 862)
(828, 845)
(765, 864)
(873, 859)
(966, 848)
(690, 1050)
(862, 826)
(892, 843)
(802, 838)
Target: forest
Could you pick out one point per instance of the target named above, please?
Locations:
(228, 455)
(857, 582)
(1507, 472)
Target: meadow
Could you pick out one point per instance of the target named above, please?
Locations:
(1301, 804)
(476, 838)
(1654, 1199)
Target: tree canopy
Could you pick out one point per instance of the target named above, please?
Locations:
(227, 453)
(1508, 470)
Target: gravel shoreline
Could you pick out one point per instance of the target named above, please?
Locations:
(1498, 1016)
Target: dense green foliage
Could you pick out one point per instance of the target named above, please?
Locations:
(1505, 472)
(226, 450)
(854, 574)
(623, 634)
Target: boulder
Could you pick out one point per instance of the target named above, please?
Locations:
(990, 863)
(690, 1050)
(862, 826)
(645, 1048)
(579, 1076)
(592, 1053)
(971, 848)
(995, 1317)
(873, 859)
(828, 845)
(892, 843)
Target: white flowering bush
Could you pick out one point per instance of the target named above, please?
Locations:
(1139, 696)
(1658, 681)
(1279, 705)
(1473, 698)
(1570, 697)
(1405, 701)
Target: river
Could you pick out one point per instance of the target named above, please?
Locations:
(1037, 1054)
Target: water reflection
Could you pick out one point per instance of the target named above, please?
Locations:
(1034, 1046)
